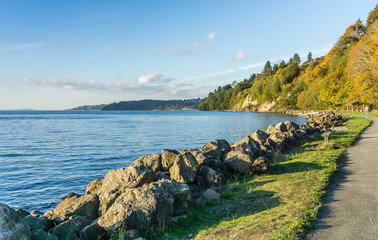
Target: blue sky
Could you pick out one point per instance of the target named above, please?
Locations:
(62, 54)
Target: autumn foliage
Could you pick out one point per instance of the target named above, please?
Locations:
(349, 72)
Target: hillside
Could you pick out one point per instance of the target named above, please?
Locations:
(348, 73)
(154, 105)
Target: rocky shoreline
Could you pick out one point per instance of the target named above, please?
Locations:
(158, 188)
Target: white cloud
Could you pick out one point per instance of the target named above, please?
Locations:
(180, 49)
(153, 78)
(240, 56)
(65, 83)
(148, 78)
(211, 36)
(19, 47)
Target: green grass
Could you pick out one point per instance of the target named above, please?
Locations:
(276, 206)
(374, 113)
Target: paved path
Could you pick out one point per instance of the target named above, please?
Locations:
(350, 209)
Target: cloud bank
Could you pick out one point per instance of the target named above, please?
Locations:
(154, 84)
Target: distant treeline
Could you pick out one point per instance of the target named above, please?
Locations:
(154, 105)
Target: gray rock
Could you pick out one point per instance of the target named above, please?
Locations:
(107, 199)
(137, 208)
(12, 225)
(161, 176)
(261, 166)
(85, 206)
(181, 194)
(22, 212)
(94, 187)
(151, 161)
(238, 162)
(216, 149)
(117, 181)
(279, 137)
(270, 129)
(223, 145)
(212, 178)
(168, 158)
(199, 155)
(39, 222)
(280, 127)
(128, 177)
(246, 145)
(39, 234)
(93, 232)
(212, 195)
(70, 195)
(260, 136)
(291, 126)
(70, 229)
(184, 168)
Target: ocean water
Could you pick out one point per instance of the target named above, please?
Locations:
(47, 154)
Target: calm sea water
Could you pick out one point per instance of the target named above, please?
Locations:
(45, 155)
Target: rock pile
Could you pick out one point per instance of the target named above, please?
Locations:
(157, 187)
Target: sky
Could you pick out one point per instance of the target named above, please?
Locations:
(57, 55)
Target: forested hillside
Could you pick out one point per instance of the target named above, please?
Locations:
(154, 105)
(348, 73)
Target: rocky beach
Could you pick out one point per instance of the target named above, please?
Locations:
(159, 188)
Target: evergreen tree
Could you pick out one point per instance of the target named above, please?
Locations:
(267, 68)
(275, 68)
(309, 57)
(296, 58)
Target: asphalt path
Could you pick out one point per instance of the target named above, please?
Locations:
(350, 206)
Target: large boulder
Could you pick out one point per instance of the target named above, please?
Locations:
(117, 181)
(184, 168)
(137, 208)
(270, 129)
(199, 155)
(260, 166)
(128, 177)
(247, 145)
(211, 177)
(291, 126)
(39, 222)
(93, 232)
(281, 127)
(260, 137)
(216, 149)
(70, 229)
(180, 192)
(238, 162)
(151, 161)
(12, 225)
(94, 187)
(279, 137)
(168, 158)
(84, 206)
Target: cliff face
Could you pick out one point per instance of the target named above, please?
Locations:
(249, 104)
